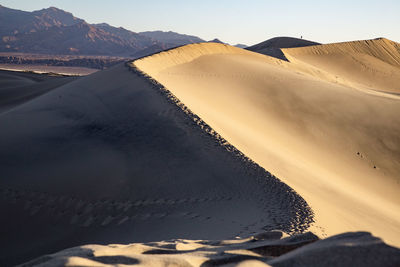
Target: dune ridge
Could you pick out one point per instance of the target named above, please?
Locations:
(184, 54)
(144, 153)
(370, 64)
(381, 48)
(304, 121)
(110, 158)
(273, 47)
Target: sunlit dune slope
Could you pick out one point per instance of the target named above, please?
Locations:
(315, 125)
(370, 64)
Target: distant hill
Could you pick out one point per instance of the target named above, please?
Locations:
(216, 40)
(172, 39)
(272, 47)
(55, 31)
(80, 38)
(128, 36)
(14, 22)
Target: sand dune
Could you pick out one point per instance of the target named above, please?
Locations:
(110, 158)
(119, 157)
(281, 42)
(312, 121)
(265, 249)
(370, 64)
(273, 47)
(19, 87)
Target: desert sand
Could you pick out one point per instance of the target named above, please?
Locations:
(273, 47)
(326, 122)
(110, 158)
(17, 88)
(206, 154)
(267, 249)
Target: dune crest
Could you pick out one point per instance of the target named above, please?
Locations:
(370, 64)
(381, 48)
(184, 54)
(307, 121)
(273, 47)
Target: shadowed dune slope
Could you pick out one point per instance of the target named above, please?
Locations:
(109, 158)
(281, 42)
(329, 138)
(19, 87)
(272, 47)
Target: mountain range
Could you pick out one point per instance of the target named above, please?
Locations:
(55, 31)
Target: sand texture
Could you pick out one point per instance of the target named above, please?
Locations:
(326, 122)
(19, 87)
(111, 158)
(266, 249)
(369, 64)
(185, 146)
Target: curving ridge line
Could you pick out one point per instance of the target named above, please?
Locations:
(372, 66)
(381, 48)
(302, 214)
(307, 121)
(113, 159)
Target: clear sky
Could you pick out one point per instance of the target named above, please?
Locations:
(235, 21)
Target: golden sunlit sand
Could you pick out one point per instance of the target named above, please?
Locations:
(167, 160)
(326, 122)
(199, 133)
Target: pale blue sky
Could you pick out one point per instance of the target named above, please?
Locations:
(235, 21)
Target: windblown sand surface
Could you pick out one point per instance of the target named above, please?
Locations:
(110, 158)
(327, 123)
(370, 64)
(266, 249)
(19, 87)
(119, 157)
